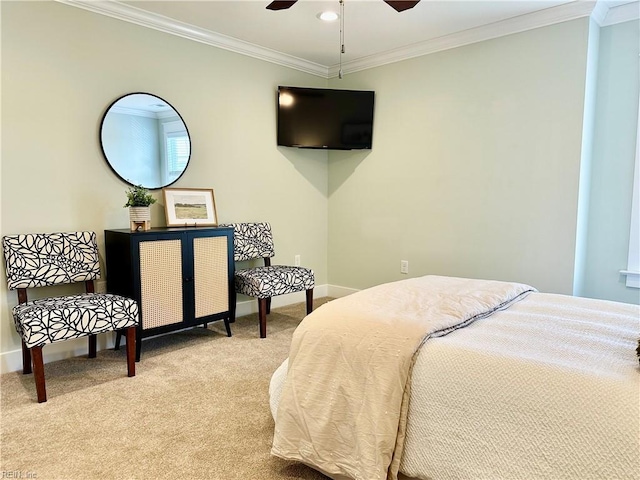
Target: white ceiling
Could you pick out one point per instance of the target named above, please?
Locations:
(374, 33)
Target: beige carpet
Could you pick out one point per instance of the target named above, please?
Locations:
(198, 408)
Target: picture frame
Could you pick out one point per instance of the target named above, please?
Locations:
(190, 207)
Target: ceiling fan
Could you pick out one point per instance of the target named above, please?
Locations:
(400, 6)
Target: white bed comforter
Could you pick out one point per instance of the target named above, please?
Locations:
(546, 389)
(343, 408)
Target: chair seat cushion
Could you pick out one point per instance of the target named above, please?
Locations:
(267, 282)
(52, 319)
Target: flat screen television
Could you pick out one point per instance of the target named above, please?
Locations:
(325, 118)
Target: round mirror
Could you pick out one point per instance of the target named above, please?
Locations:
(145, 141)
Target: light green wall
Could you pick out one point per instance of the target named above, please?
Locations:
(474, 168)
(63, 66)
(616, 120)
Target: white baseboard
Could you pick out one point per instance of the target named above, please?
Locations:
(335, 291)
(12, 361)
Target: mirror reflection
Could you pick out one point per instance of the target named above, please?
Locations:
(145, 141)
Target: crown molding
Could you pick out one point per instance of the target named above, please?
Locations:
(541, 18)
(621, 13)
(114, 9)
(599, 11)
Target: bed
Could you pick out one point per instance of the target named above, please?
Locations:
(441, 377)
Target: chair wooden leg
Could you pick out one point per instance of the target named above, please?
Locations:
(131, 351)
(92, 346)
(26, 360)
(309, 301)
(38, 374)
(116, 346)
(262, 315)
(268, 305)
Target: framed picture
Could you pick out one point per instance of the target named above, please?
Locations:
(189, 207)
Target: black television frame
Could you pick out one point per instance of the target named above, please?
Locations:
(324, 118)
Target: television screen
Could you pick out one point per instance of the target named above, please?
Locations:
(325, 118)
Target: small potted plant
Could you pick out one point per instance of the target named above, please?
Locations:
(139, 201)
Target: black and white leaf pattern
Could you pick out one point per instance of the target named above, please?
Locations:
(41, 259)
(36, 260)
(255, 241)
(251, 240)
(48, 320)
(267, 282)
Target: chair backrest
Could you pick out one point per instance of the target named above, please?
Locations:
(252, 241)
(42, 259)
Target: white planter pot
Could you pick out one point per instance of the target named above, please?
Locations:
(140, 218)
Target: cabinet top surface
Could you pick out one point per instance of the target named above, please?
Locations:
(167, 229)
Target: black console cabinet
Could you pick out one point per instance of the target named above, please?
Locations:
(180, 277)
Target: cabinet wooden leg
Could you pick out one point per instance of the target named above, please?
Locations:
(138, 346)
(232, 307)
(227, 327)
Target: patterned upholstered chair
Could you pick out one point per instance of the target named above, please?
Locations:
(255, 241)
(39, 260)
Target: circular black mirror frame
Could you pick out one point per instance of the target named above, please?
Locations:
(104, 154)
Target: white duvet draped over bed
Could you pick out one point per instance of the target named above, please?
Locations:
(546, 389)
(344, 403)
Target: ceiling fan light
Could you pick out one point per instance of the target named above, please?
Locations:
(328, 16)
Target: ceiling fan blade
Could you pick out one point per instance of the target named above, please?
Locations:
(285, 5)
(400, 6)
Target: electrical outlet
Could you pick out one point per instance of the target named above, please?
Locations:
(404, 266)
(296, 260)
